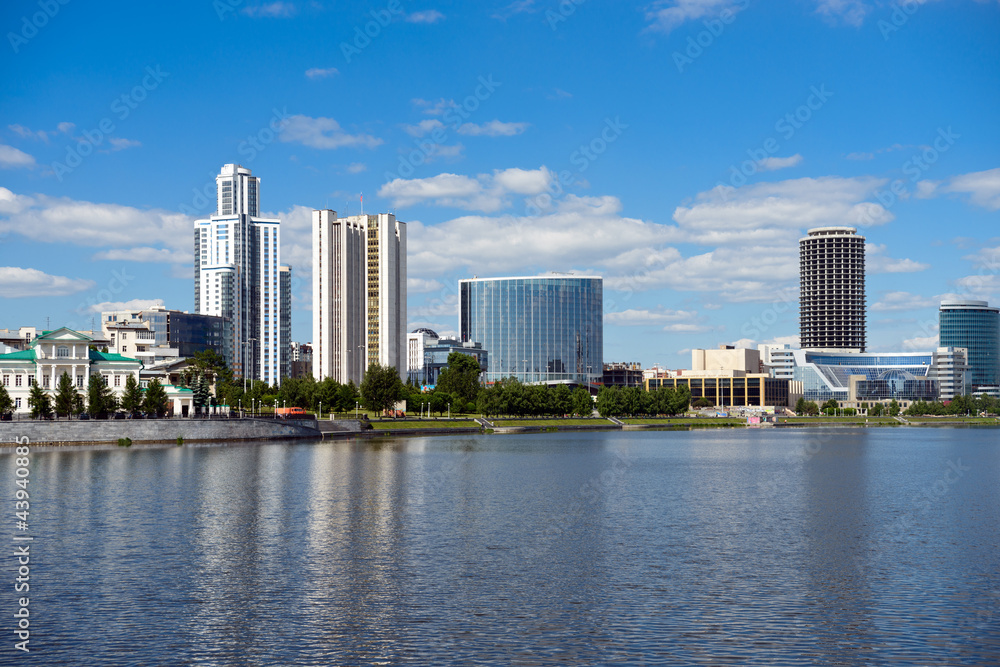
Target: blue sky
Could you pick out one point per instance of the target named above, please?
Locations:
(678, 148)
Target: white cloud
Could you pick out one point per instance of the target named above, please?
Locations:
(356, 167)
(64, 220)
(271, 10)
(321, 73)
(485, 192)
(422, 285)
(851, 12)
(146, 254)
(12, 203)
(12, 158)
(64, 127)
(17, 282)
(877, 262)
(768, 212)
(424, 127)
(514, 8)
(643, 317)
(920, 344)
(894, 301)
(494, 128)
(688, 328)
(983, 187)
(131, 304)
(426, 16)
(323, 133)
(121, 143)
(984, 258)
(775, 163)
(860, 156)
(665, 15)
(434, 107)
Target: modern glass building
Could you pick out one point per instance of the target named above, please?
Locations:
(539, 329)
(975, 326)
(903, 376)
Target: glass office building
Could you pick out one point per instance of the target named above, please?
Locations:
(975, 326)
(903, 376)
(540, 329)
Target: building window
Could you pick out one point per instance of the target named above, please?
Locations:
(62, 351)
(31, 380)
(6, 380)
(17, 403)
(45, 381)
(17, 380)
(124, 349)
(118, 380)
(79, 382)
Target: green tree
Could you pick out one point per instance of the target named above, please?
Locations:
(681, 400)
(39, 402)
(100, 400)
(132, 396)
(583, 404)
(65, 395)
(201, 393)
(461, 376)
(893, 408)
(800, 406)
(79, 406)
(876, 410)
(831, 405)
(609, 402)
(6, 403)
(381, 388)
(702, 402)
(155, 399)
(562, 400)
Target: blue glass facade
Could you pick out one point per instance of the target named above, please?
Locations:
(544, 329)
(976, 327)
(901, 376)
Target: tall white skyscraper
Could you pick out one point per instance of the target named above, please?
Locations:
(238, 275)
(359, 294)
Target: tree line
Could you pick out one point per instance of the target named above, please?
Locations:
(99, 400)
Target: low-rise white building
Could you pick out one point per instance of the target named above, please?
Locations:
(53, 353)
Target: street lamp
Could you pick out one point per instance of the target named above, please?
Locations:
(321, 409)
(355, 409)
(240, 409)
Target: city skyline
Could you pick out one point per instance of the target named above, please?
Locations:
(682, 163)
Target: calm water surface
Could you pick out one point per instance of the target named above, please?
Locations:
(769, 547)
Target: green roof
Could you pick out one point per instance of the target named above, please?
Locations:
(107, 356)
(20, 355)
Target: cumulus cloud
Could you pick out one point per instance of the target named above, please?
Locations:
(146, 254)
(485, 192)
(643, 317)
(851, 12)
(17, 282)
(775, 163)
(356, 167)
(321, 72)
(434, 107)
(493, 128)
(13, 158)
(422, 285)
(426, 16)
(424, 127)
(983, 187)
(895, 301)
(666, 15)
(323, 133)
(877, 262)
(271, 10)
(515, 8)
(121, 143)
(64, 127)
(131, 304)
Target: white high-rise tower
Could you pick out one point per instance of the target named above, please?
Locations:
(238, 275)
(359, 294)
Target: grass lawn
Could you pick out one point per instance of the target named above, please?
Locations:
(686, 421)
(401, 425)
(554, 423)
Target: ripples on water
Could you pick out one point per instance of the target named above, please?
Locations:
(820, 547)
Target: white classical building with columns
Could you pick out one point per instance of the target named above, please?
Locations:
(53, 353)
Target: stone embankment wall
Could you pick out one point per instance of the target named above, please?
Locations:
(156, 430)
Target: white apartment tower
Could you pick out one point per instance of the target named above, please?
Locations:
(832, 290)
(359, 294)
(238, 275)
